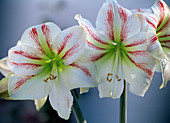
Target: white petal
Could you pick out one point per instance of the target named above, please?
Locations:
(158, 66)
(148, 10)
(161, 11)
(109, 64)
(84, 90)
(129, 23)
(40, 103)
(61, 100)
(138, 71)
(80, 73)
(95, 36)
(112, 89)
(40, 37)
(69, 44)
(4, 87)
(154, 47)
(24, 60)
(137, 42)
(165, 64)
(29, 87)
(4, 69)
(105, 20)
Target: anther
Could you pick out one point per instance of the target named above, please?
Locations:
(107, 78)
(51, 77)
(119, 80)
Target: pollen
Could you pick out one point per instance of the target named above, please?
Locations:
(51, 77)
(118, 78)
(108, 77)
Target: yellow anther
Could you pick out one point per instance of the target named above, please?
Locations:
(51, 77)
(116, 76)
(107, 78)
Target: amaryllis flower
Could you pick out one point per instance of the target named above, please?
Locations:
(158, 18)
(162, 13)
(118, 48)
(49, 62)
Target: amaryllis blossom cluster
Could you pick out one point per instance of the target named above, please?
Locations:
(126, 46)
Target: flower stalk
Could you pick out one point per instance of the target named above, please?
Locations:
(123, 105)
(76, 109)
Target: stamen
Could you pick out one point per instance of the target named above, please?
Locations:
(107, 78)
(117, 78)
(51, 77)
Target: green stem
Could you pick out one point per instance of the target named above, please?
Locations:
(76, 109)
(123, 105)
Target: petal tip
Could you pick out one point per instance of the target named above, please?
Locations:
(78, 16)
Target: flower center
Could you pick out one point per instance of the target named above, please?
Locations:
(119, 51)
(56, 65)
(117, 47)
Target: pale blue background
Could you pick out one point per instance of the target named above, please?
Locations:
(18, 15)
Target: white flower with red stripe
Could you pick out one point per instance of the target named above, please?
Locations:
(118, 48)
(50, 62)
(158, 18)
(162, 13)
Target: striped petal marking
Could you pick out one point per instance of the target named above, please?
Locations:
(162, 13)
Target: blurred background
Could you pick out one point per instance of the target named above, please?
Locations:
(18, 15)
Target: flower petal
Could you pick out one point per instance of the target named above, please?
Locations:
(154, 47)
(158, 66)
(161, 11)
(165, 64)
(84, 90)
(61, 100)
(4, 69)
(80, 73)
(105, 20)
(24, 60)
(138, 65)
(40, 37)
(93, 35)
(113, 79)
(149, 23)
(29, 87)
(69, 44)
(4, 87)
(117, 22)
(40, 103)
(105, 66)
